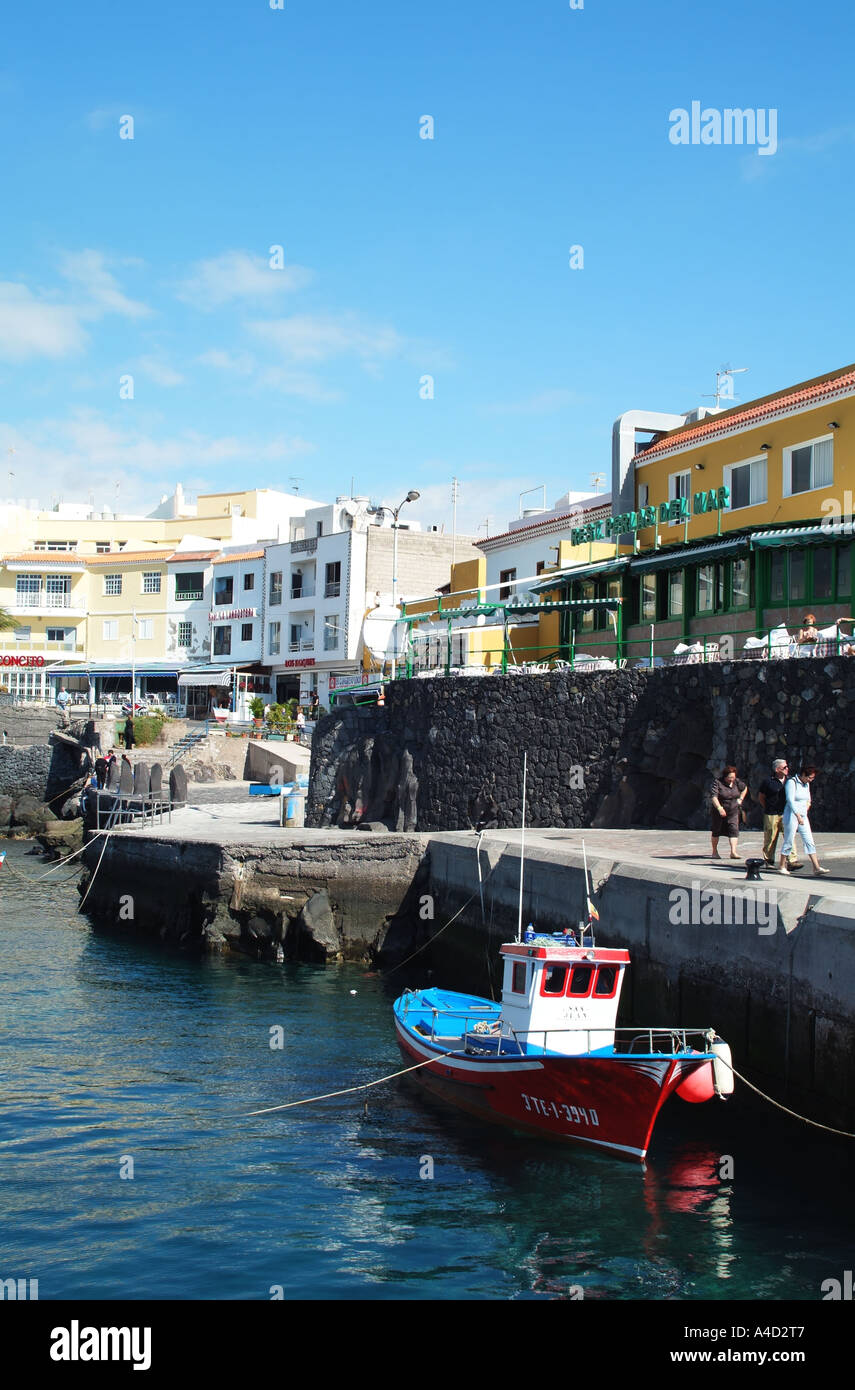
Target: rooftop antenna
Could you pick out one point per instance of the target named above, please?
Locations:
(295, 482)
(597, 481)
(486, 524)
(724, 385)
(455, 490)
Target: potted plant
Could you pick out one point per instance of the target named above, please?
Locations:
(256, 709)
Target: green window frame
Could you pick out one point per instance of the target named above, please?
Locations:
(807, 575)
(676, 593)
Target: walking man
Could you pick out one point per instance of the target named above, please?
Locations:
(773, 798)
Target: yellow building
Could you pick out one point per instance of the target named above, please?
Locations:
(741, 526)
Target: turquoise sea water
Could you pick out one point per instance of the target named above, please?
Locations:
(113, 1049)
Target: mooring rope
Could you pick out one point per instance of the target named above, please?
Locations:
(829, 1129)
(348, 1090)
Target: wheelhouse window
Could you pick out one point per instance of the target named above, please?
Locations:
(554, 979)
(580, 980)
(606, 981)
(518, 977)
(809, 466)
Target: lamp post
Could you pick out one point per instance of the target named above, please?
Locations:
(412, 496)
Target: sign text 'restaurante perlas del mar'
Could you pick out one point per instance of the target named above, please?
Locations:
(716, 500)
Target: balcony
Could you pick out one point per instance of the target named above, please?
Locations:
(305, 644)
(38, 643)
(305, 591)
(332, 590)
(307, 547)
(190, 596)
(47, 603)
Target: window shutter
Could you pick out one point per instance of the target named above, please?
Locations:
(757, 484)
(823, 467)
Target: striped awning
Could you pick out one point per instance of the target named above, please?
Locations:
(825, 532)
(599, 569)
(203, 678)
(677, 556)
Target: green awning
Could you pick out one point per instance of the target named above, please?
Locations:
(804, 535)
(498, 609)
(678, 556)
(600, 569)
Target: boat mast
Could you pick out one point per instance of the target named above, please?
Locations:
(522, 850)
(590, 920)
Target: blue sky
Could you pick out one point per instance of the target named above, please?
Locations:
(403, 257)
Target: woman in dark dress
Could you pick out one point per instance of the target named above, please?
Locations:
(728, 794)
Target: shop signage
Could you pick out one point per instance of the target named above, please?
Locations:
(300, 661)
(22, 661)
(225, 615)
(715, 500)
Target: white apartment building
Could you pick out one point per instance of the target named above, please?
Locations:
(532, 541)
(321, 586)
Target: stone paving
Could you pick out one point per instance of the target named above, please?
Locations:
(227, 815)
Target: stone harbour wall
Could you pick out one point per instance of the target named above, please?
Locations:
(609, 749)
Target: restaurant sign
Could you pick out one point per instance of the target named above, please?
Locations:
(715, 500)
(22, 661)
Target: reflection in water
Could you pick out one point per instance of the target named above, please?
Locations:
(111, 1046)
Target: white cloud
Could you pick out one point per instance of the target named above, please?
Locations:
(87, 453)
(239, 275)
(87, 270)
(31, 327)
(160, 372)
(317, 337)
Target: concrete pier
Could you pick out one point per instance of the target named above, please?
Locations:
(771, 965)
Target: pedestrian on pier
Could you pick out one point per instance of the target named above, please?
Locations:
(727, 796)
(797, 822)
(773, 798)
(102, 767)
(130, 737)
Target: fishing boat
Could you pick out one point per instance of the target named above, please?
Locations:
(548, 1058)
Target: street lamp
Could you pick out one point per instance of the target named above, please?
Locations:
(412, 496)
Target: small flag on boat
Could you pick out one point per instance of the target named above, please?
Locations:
(2, 857)
(592, 911)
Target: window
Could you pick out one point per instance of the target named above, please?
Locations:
(778, 577)
(102, 547)
(222, 641)
(246, 632)
(151, 582)
(331, 633)
(747, 483)
(808, 466)
(24, 634)
(607, 977)
(643, 494)
(185, 634)
(58, 590)
(540, 567)
(844, 571)
(706, 588)
(319, 528)
(224, 588)
(798, 574)
(189, 586)
(506, 579)
(332, 587)
(588, 591)
(648, 598)
(63, 546)
(675, 594)
(276, 587)
(296, 583)
(823, 566)
(112, 584)
(518, 977)
(554, 979)
(275, 639)
(679, 487)
(53, 634)
(580, 980)
(145, 628)
(740, 583)
(28, 590)
(248, 582)
(110, 630)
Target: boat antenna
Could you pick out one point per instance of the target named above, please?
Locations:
(522, 850)
(589, 906)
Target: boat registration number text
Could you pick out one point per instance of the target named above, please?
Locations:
(573, 1114)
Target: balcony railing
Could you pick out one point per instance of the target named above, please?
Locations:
(42, 599)
(38, 643)
(306, 547)
(332, 590)
(305, 592)
(190, 596)
(305, 644)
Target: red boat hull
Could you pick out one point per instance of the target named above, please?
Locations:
(602, 1102)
